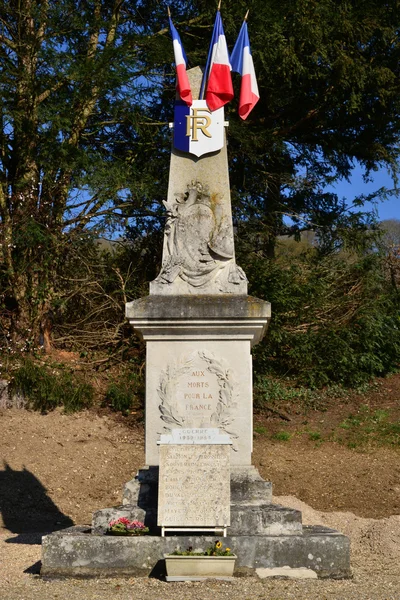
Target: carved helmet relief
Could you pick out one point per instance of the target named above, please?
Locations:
(197, 392)
(199, 241)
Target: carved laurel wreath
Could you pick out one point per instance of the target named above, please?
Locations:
(222, 417)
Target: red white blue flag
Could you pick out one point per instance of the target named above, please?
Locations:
(242, 62)
(219, 88)
(182, 80)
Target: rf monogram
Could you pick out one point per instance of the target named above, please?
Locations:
(196, 122)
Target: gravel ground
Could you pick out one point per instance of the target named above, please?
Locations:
(57, 470)
(375, 563)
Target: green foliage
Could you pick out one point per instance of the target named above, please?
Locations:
(98, 278)
(45, 389)
(367, 426)
(86, 96)
(217, 549)
(127, 392)
(314, 436)
(73, 129)
(120, 398)
(335, 319)
(270, 392)
(261, 430)
(329, 98)
(281, 436)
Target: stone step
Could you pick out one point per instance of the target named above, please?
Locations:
(264, 519)
(247, 487)
(76, 552)
(261, 519)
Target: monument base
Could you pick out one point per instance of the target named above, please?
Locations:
(262, 535)
(76, 552)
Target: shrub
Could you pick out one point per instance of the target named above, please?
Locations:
(45, 389)
(125, 393)
(335, 318)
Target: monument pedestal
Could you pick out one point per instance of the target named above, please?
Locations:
(199, 365)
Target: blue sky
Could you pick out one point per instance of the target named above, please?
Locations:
(388, 209)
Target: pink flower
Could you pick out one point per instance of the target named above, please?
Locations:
(127, 523)
(121, 520)
(136, 525)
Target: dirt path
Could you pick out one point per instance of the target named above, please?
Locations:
(58, 469)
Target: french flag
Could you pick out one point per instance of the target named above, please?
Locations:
(219, 89)
(242, 62)
(182, 80)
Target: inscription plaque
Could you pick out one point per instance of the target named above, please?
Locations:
(198, 391)
(194, 485)
(195, 436)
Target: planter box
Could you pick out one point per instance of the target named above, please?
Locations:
(199, 567)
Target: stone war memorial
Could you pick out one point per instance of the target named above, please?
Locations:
(199, 325)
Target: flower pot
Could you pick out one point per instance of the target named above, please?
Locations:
(199, 567)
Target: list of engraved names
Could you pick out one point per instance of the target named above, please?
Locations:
(194, 485)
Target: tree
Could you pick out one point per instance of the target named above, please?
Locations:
(72, 94)
(329, 98)
(329, 86)
(389, 245)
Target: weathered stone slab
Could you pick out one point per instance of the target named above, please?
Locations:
(194, 486)
(196, 391)
(287, 573)
(73, 553)
(248, 487)
(240, 315)
(10, 398)
(198, 384)
(264, 519)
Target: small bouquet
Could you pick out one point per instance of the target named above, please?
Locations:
(124, 526)
(217, 549)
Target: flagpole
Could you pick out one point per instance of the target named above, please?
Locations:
(169, 12)
(246, 15)
(205, 74)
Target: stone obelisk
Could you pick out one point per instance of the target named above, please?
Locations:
(198, 322)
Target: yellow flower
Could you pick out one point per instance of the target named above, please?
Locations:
(218, 545)
(228, 550)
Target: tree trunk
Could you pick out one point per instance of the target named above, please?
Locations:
(272, 220)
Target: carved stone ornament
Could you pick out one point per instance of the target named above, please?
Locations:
(198, 246)
(172, 409)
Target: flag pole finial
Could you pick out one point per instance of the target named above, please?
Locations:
(219, 5)
(246, 15)
(169, 12)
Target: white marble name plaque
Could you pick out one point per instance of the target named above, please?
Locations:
(194, 485)
(209, 435)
